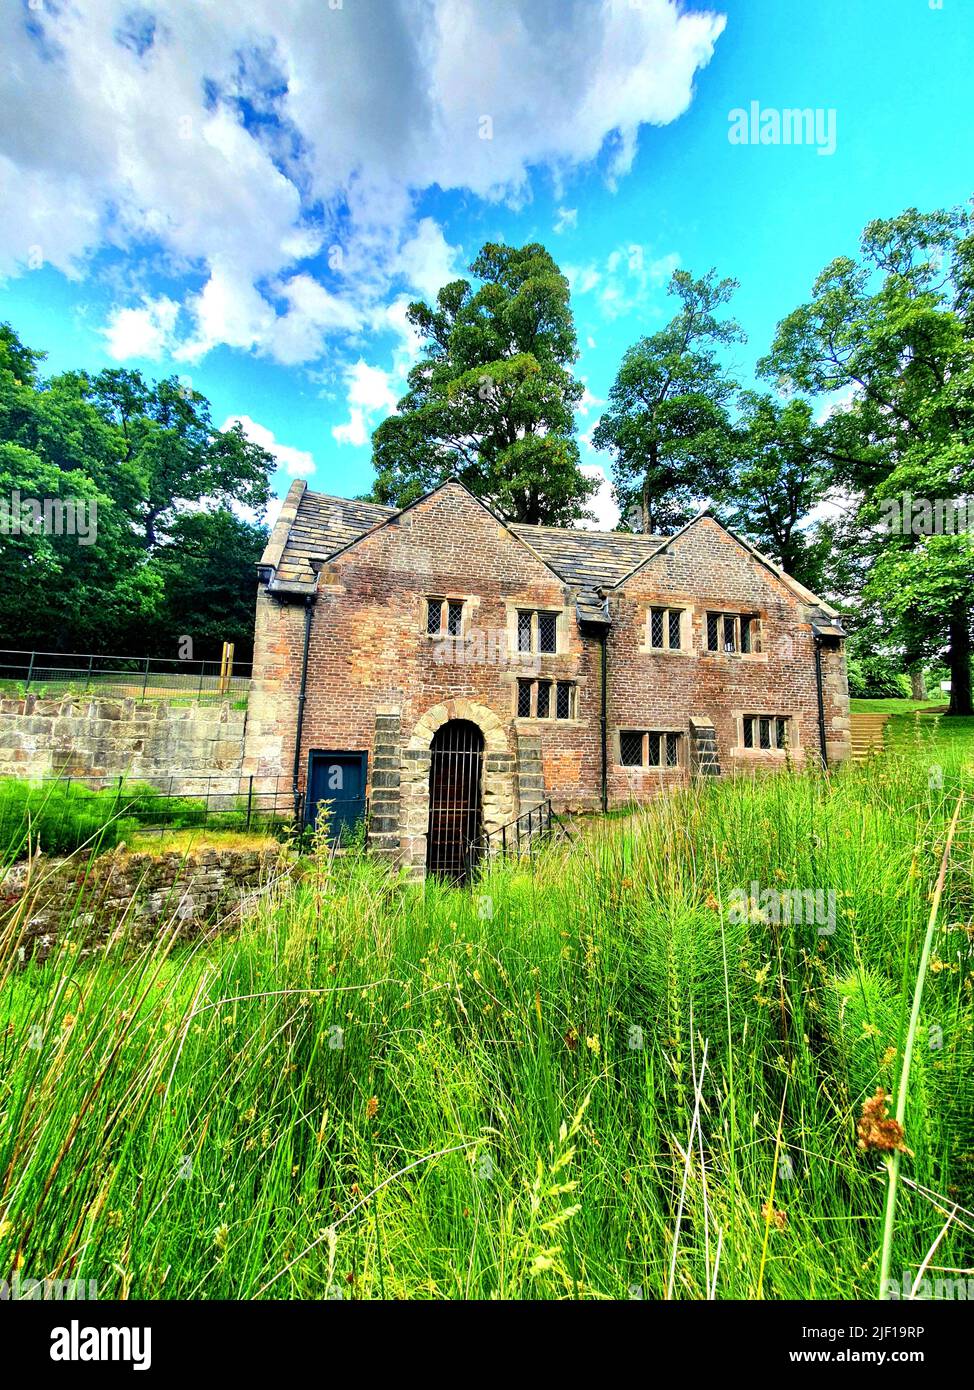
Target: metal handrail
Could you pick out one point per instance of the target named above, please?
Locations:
(538, 822)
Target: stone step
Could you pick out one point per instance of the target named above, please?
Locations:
(867, 735)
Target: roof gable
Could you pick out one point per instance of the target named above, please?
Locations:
(476, 510)
(316, 526)
(797, 590)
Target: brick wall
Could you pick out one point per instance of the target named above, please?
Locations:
(370, 658)
(370, 654)
(706, 570)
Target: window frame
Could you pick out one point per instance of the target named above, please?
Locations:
(668, 612)
(668, 738)
(751, 723)
(746, 625)
(552, 685)
(534, 616)
(446, 603)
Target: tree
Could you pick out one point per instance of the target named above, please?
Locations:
(206, 568)
(893, 332)
(492, 399)
(160, 480)
(73, 586)
(777, 475)
(667, 421)
(173, 451)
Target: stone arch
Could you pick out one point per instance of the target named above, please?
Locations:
(495, 739)
(498, 776)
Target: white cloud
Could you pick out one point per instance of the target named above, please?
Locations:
(228, 310)
(589, 402)
(427, 260)
(602, 505)
(143, 332)
(391, 318)
(566, 219)
(626, 279)
(369, 395)
(295, 462)
(132, 128)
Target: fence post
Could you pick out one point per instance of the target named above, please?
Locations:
(250, 798)
(226, 667)
(30, 672)
(145, 678)
(202, 671)
(91, 663)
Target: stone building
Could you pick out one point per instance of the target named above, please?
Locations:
(453, 672)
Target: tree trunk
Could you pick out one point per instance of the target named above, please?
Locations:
(959, 660)
(652, 471)
(918, 683)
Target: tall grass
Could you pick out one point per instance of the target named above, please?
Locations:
(593, 1079)
(60, 816)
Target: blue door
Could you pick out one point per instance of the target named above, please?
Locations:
(337, 779)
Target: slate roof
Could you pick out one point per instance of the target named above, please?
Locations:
(322, 525)
(313, 524)
(588, 559)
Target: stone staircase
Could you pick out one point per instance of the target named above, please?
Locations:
(867, 735)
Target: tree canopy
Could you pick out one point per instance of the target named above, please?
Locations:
(166, 554)
(776, 475)
(668, 420)
(890, 334)
(492, 399)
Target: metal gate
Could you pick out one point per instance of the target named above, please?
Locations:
(456, 762)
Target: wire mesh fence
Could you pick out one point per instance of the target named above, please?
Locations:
(53, 675)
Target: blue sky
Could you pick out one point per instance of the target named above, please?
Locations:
(250, 200)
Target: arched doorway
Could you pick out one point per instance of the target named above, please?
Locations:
(453, 841)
